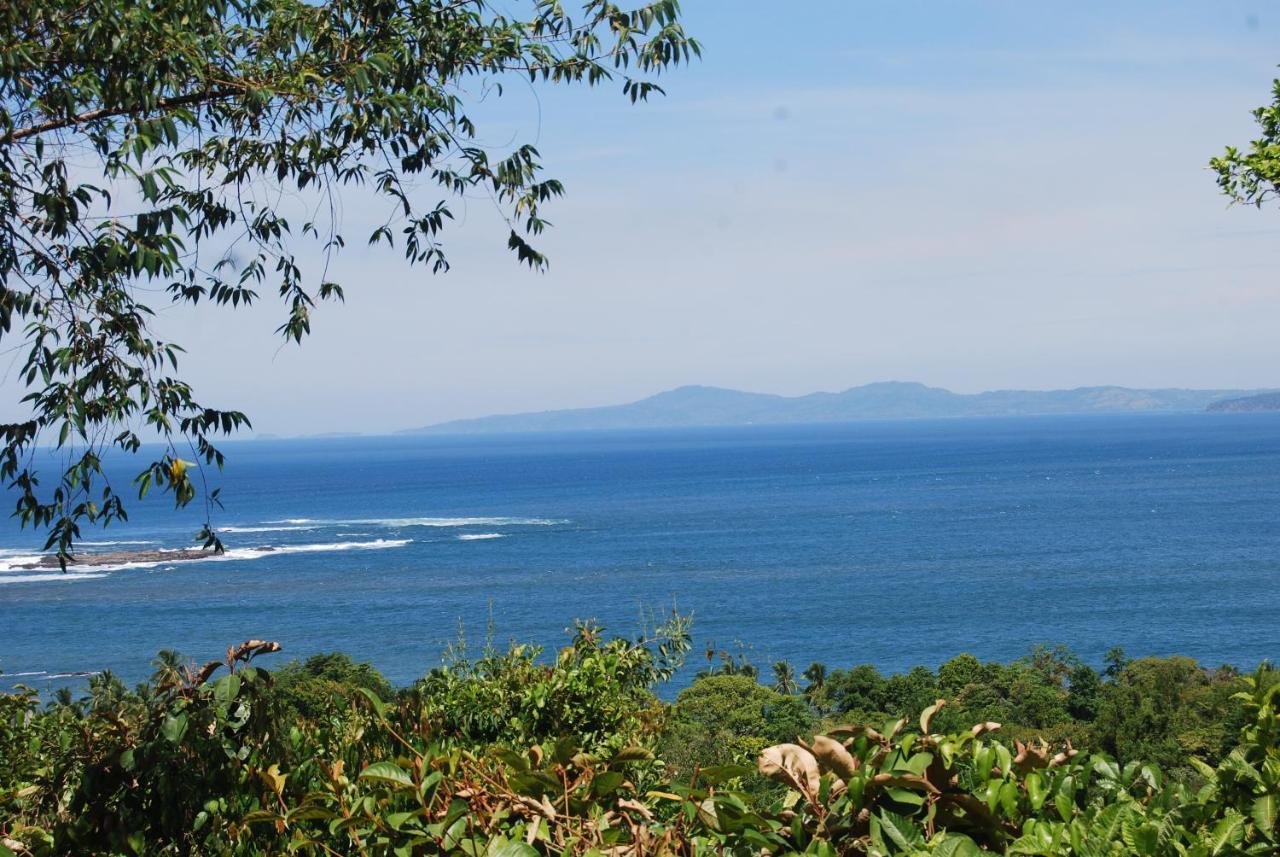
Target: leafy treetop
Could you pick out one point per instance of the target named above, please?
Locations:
(161, 152)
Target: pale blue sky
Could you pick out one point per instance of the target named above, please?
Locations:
(973, 195)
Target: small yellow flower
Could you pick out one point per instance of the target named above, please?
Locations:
(177, 468)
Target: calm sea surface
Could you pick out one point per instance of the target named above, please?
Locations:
(891, 543)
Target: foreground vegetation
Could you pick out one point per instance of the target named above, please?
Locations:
(510, 753)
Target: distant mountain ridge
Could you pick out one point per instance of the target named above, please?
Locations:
(715, 406)
(1245, 404)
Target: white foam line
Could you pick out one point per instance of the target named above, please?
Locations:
(280, 529)
(122, 542)
(475, 537)
(377, 544)
(11, 563)
(51, 577)
(426, 522)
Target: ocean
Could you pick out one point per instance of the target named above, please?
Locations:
(890, 543)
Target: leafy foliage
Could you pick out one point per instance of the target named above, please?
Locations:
(729, 719)
(1159, 710)
(599, 691)
(1252, 176)
(224, 760)
(196, 151)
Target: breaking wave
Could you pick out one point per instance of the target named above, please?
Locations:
(269, 529)
(255, 553)
(399, 523)
(475, 537)
(52, 576)
(121, 542)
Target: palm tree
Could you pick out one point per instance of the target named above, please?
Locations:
(816, 675)
(63, 698)
(784, 678)
(170, 668)
(105, 691)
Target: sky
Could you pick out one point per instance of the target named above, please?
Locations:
(972, 195)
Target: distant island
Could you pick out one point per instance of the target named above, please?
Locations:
(714, 406)
(1244, 404)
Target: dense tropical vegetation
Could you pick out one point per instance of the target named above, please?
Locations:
(513, 753)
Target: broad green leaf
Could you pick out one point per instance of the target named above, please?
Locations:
(1036, 790)
(379, 707)
(716, 774)
(632, 754)
(606, 783)
(226, 689)
(500, 847)
(956, 845)
(900, 830)
(1264, 812)
(387, 772)
(174, 728)
(1227, 834)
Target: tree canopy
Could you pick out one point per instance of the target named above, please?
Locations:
(146, 148)
(1252, 175)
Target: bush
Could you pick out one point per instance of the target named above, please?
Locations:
(729, 719)
(319, 759)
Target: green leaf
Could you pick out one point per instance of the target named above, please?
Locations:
(716, 774)
(1064, 802)
(387, 772)
(226, 689)
(1205, 770)
(378, 705)
(632, 754)
(1227, 834)
(1009, 799)
(900, 830)
(566, 748)
(174, 728)
(502, 847)
(1036, 790)
(606, 783)
(1264, 812)
(956, 845)
(1106, 769)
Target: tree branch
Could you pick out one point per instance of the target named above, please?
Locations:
(204, 95)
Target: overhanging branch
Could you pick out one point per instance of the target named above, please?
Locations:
(204, 95)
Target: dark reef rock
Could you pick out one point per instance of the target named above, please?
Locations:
(95, 560)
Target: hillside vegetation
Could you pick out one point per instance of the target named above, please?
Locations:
(515, 754)
(1261, 402)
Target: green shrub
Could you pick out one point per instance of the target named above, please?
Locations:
(231, 759)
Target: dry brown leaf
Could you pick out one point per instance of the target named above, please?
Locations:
(636, 807)
(790, 764)
(983, 728)
(832, 756)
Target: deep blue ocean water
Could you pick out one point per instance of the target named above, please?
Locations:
(893, 543)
